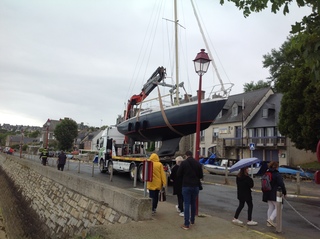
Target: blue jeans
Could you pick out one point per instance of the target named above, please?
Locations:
(189, 196)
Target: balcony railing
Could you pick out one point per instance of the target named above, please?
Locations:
(258, 141)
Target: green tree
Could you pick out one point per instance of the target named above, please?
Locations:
(299, 118)
(34, 134)
(255, 86)
(65, 133)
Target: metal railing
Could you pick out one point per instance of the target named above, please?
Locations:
(258, 141)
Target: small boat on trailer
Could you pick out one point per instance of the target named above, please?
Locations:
(221, 165)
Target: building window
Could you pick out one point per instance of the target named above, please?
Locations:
(219, 115)
(235, 110)
(265, 113)
(260, 132)
(202, 134)
(251, 133)
(215, 134)
(270, 132)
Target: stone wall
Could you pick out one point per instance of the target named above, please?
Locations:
(70, 205)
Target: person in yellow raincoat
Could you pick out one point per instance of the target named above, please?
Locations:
(159, 180)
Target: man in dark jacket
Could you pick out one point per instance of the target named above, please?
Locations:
(190, 171)
(62, 158)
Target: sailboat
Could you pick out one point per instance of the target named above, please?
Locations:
(167, 124)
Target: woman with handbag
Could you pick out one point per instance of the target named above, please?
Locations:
(158, 181)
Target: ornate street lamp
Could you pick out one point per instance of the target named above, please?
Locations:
(201, 65)
(48, 124)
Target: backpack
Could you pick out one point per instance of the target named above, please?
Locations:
(266, 181)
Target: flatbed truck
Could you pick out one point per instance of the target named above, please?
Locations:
(116, 156)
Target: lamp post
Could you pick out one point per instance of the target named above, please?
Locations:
(201, 65)
(47, 138)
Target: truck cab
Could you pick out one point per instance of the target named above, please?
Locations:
(116, 156)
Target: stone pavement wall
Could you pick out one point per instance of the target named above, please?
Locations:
(70, 205)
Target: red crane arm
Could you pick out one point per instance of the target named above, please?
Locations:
(155, 78)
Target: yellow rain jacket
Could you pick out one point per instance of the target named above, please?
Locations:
(159, 179)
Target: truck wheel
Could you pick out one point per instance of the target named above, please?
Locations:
(131, 171)
(140, 173)
(101, 167)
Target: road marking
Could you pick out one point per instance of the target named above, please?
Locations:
(266, 235)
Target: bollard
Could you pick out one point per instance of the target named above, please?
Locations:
(298, 183)
(68, 164)
(79, 167)
(226, 180)
(279, 212)
(111, 171)
(135, 176)
(92, 169)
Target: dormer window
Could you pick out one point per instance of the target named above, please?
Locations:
(265, 113)
(235, 110)
(219, 115)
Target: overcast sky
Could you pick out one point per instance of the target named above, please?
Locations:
(84, 59)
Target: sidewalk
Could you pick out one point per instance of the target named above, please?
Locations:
(166, 224)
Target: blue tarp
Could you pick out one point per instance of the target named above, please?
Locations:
(210, 160)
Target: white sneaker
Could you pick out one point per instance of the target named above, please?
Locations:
(237, 221)
(269, 221)
(177, 207)
(252, 223)
(181, 214)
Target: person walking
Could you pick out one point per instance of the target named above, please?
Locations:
(62, 158)
(244, 185)
(159, 181)
(177, 185)
(190, 172)
(271, 196)
(44, 156)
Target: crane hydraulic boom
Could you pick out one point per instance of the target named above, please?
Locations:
(148, 87)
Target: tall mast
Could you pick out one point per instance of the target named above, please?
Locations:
(207, 46)
(176, 51)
